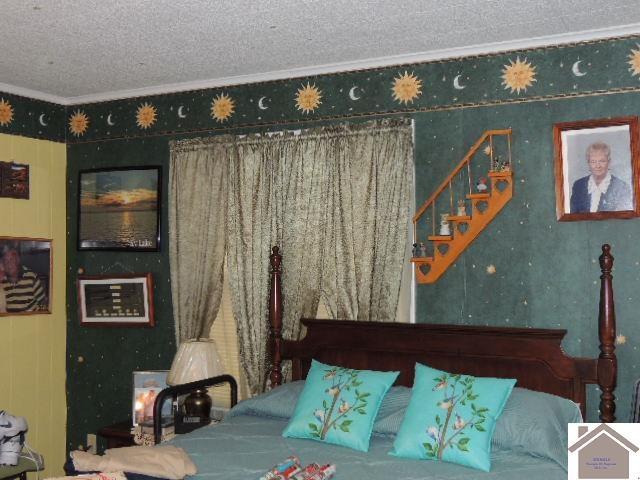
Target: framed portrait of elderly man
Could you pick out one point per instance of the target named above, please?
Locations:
(25, 276)
(596, 169)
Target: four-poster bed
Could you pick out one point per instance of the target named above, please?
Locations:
(531, 355)
(249, 441)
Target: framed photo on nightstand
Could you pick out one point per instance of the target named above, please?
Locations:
(146, 386)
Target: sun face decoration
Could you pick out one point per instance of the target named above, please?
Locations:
(518, 75)
(308, 98)
(222, 107)
(406, 88)
(6, 112)
(78, 123)
(634, 61)
(146, 115)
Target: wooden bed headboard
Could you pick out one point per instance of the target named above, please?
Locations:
(533, 356)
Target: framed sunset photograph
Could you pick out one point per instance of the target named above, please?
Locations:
(119, 209)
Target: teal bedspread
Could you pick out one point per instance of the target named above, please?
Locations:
(244, 447)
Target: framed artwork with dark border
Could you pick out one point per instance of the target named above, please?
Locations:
(26, 269)
(14, 180)
(116, 300)
(119, 209)
(596, 169)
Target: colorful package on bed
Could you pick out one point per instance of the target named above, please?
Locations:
(292, 469)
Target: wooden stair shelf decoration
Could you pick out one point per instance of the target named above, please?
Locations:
(484, 205)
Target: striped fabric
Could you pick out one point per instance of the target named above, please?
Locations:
(25, 295)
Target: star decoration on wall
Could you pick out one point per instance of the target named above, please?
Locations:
(406, 88)
(487, 150)
(146, 115)
(491, 269)
(621, 339)
(78, 123)
(222, 107)
(6, 112)
(634, 61)
(308, 98)
(518, 75)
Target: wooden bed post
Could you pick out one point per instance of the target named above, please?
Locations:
(607, 362)
(275, 318)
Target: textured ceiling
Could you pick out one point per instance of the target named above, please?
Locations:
(95, 49)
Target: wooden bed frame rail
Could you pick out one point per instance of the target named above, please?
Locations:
(533, 356)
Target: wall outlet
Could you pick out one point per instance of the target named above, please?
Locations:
(92, 443)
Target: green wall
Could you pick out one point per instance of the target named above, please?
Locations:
(546, 272)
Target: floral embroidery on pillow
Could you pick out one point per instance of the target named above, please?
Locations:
(343, 393)
(449, 430)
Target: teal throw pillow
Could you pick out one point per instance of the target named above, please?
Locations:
(339, 405)
(451, 417)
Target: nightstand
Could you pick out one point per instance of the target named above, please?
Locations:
(118, 434)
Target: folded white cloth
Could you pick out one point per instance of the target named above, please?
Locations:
(164, 461)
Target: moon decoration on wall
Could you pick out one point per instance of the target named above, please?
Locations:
(456, 83)
(181, 114)
(110, 122)
(41, 120)
(576, 69)
(352, 93)
(261, 104)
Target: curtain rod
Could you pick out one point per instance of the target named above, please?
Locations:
(341, 129)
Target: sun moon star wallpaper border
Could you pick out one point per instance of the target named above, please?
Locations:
(526, 269)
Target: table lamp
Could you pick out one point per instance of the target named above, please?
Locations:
(196, 360)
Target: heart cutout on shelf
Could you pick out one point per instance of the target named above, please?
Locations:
(424, 268)
(443, 248)
(482, 206)
(501, 185)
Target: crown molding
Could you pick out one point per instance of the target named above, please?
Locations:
(33, 94)
(378, 62)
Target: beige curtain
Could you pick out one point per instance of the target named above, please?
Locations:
(251, 230)
(197, 218)
(370, 184)
(336, 200)
(275, 189)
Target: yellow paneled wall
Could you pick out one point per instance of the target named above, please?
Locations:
(32, 351)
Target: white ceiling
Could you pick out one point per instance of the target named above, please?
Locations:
(89, 50)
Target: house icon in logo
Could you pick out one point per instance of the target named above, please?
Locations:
(603, 453)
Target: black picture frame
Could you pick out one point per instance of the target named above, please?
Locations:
(117, 209)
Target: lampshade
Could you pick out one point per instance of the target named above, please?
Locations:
(195, 360)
